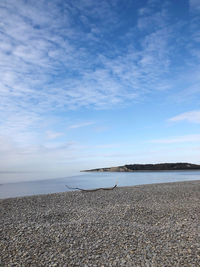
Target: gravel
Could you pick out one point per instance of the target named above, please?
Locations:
(147, 225)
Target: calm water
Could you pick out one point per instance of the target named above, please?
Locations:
(93, 180)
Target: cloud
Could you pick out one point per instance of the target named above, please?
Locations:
(178, 139)
(40, 59)
(53, 135)
(65, 65)
(108, 146)
(80, 125)
(194, 29)
(48, 67)
(45, 157)
(191, 116)
(194, 5)
(58, 56)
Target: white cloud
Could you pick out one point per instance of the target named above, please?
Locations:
(46, 157)
(191, 116)
(53, 135)
(80, 125)
(178, 139)
(48, 66)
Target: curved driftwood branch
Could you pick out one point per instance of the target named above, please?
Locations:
(92, 190)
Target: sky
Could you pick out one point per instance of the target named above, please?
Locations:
(87, 84)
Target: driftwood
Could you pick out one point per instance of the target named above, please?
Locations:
(92, 190)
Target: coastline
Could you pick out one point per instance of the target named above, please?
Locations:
(155, 224)
(144, 171)
(178, 166)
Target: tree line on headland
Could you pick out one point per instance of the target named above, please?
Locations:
(149, 167)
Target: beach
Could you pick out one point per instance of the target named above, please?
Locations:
(145, 225)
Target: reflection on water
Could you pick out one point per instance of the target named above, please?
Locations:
(93, 180)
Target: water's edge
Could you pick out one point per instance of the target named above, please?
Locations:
(94, 180)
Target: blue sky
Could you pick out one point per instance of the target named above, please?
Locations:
(88, 84)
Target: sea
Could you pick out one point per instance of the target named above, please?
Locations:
(90, 180)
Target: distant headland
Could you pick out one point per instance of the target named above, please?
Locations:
(149, 167)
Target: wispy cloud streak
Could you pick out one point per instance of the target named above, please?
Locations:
(178, 139)
(50, 63)
(191, 116)
(47, 61)
(80, 125)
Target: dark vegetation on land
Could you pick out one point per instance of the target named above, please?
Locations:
(149, 167)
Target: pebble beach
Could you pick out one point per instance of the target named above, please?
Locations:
(146, 225)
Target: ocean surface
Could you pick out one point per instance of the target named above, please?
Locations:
(94, 180)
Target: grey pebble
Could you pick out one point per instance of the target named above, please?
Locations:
(147, 225)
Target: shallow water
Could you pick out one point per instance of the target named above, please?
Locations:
(94, 180)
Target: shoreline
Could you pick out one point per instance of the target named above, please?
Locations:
(153, 224)
(4, 196)
(178, 170)
(165, 166)
(74, 190)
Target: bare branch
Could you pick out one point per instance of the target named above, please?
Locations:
(92, 190)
